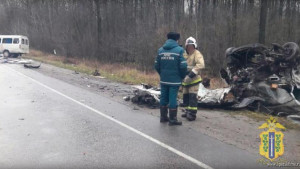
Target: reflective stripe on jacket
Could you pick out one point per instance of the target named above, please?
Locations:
(195, 62)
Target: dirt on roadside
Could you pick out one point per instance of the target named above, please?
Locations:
(238, 130)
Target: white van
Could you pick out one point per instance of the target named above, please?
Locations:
(13, 45)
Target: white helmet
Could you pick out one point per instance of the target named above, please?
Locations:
(191, 41)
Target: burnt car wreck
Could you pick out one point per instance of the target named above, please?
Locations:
(259, 78)
(264, 79)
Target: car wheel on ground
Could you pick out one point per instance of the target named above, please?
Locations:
(6, 54)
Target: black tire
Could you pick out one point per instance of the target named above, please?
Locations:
(6, 54)
(291, 50)
(15, 55)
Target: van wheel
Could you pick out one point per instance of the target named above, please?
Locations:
(6, 54)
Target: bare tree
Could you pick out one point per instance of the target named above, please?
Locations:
(263, 20)
(131, 31)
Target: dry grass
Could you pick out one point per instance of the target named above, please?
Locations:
(128, 74)
(124, 73)
(259, 116)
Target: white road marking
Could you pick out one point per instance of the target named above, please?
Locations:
(187, 157)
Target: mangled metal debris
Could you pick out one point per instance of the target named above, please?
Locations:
(96, 73)
(147, 95)
(30, 66)
(15, 60)
(28, 63)
(126, 98)
(213, 98)
(264, 79)
(294, 118)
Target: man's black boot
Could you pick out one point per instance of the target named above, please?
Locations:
(173, 117)
(191, 116)
(185, 112)
(185, 104)
(164, 114)
(193, 102)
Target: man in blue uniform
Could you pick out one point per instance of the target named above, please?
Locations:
(172, 68)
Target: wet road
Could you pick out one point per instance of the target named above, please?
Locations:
(47, 123)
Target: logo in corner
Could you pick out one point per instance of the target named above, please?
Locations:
(271, 145)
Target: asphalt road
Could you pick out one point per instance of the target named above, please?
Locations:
(47, 123)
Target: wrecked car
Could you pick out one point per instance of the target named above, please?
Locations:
(264, 79)
(260, 78)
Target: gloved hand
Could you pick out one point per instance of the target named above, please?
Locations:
(187, 79)
(191, 74)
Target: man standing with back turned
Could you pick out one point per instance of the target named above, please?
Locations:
(171, 67)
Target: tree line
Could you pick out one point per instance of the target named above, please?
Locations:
(131, 31)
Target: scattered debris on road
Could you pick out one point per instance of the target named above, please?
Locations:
(102, 87)
(294, 118)
(146, 94)
(31, 66)
(96, 73)
(126, 98)
(28, 63)
(15, 60)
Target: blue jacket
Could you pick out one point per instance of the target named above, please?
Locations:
(170, 64)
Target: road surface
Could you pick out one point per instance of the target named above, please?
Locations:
(48, 123)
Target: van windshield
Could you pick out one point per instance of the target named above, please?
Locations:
(7, 40)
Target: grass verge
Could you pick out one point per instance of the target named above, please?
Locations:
(259, 116)
(127, 74)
